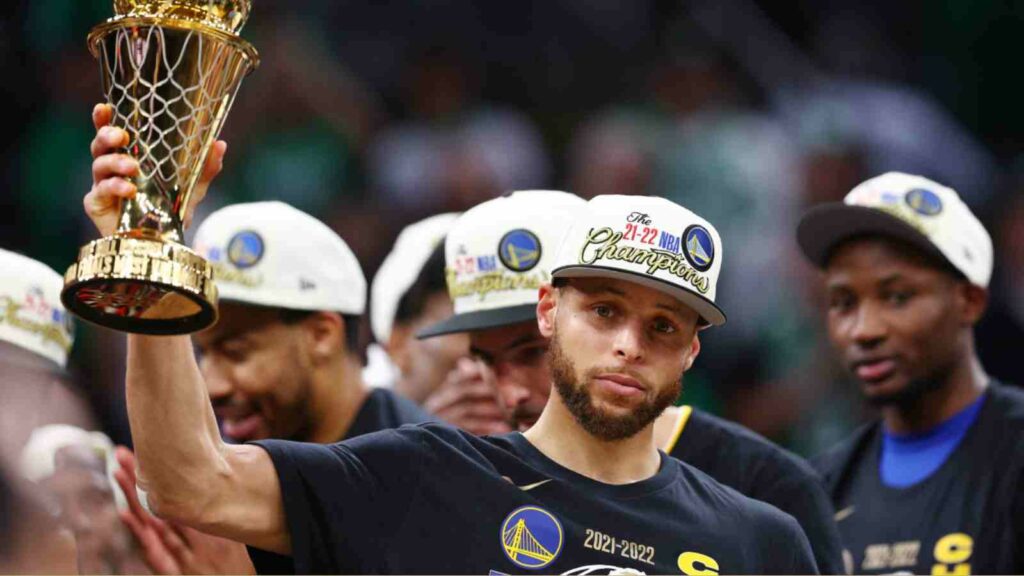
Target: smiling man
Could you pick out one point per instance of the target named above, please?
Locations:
(585, 488)
(937, 485)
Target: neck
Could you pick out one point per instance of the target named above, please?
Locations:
(338, 394)
(961, 387)
(560, 437)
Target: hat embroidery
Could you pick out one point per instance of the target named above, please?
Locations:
(603, 244)
(700, 249)
(924, 201)
(245, 249)
(519, 250)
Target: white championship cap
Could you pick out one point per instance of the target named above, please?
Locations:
(498, 255)
(271, 254)
(39, 456)
(911, 208)
(31, 315)
(650, 241)
(399, 271)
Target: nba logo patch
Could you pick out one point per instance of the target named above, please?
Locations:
(698, 247)
(519, 250)
(924, 201)
(245, 249)
(531, 537)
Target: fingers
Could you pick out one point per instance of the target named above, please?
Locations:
(114, 166)
(102, 114)
(176, 545)
(108, 139)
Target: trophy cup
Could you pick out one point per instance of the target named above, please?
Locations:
(170, 70)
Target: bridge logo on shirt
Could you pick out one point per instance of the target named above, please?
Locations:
(531, 537)
(245, 249)
(924, 201)
(519, 250)
(698, 247)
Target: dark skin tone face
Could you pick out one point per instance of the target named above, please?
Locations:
(903, 327)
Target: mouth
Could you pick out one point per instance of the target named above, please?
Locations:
(620, 384)
(874, 370)
(240, 425)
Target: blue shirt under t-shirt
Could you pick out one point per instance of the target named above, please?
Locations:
(907, 459)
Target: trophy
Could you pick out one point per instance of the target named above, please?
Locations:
(170, 70)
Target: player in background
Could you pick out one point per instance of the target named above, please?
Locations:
(408, 293)
(501, 322)
(584, 487)
(936, 485)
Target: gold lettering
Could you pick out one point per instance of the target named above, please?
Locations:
(697, 564)
(876, 557)
(45, 330)
(951, 554)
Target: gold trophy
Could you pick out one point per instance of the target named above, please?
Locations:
(170, 70)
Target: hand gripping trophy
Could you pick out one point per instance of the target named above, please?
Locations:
(170, 70)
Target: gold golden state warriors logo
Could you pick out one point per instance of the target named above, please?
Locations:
(924, 201)
(245, 249)
(519, 250)
(698, 247)
(531, 537)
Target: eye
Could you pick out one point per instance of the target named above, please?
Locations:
(664, 326)
(840, 302)
(603, 310)
(530, 354)
(898, 297)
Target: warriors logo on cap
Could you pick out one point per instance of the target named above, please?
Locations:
(700, 248)
(245, 249)
(924, 201)
(519, 250)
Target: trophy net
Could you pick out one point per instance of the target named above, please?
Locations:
(170, 88)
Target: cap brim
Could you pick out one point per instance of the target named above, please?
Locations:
(824, 227)
(710, 314)
(481, 320)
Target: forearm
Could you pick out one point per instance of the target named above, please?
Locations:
(174, 431)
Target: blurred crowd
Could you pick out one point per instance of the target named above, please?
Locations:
(375, 115)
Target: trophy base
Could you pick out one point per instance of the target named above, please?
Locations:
(142, 286)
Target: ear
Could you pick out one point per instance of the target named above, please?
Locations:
(692, 352)
(326, 335)
(547, 306)
(973, 301)
(398, 346)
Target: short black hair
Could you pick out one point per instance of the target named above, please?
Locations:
(353, 328)
(430, 281)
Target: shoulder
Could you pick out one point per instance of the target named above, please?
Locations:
(400, 408)
(832, 463)
(1008, 402)
(751, 447)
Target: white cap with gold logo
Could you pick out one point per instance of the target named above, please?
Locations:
(31, 315)
(271, 254)
(648, 240)
(497, 256)
(910, 208)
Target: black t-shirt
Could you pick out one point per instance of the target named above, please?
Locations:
(432, 499)
(382, 410)
(966, 518)
(755, 467)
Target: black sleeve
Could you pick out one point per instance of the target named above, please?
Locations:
(802, 496)
(343, 501)
(789, 549)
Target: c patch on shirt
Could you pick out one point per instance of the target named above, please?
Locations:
(531, 537)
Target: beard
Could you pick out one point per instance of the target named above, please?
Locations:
(576, 395)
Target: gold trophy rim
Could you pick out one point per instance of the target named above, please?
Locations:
(206, 299)
(99, 31)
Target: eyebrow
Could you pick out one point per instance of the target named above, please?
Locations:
(525, 339)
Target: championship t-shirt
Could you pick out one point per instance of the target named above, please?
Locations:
(755, 467)
(432, 499)
(382, 410)
(967, 517)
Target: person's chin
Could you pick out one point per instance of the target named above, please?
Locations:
(888, 391)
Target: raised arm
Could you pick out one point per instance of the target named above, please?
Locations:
(189, 473)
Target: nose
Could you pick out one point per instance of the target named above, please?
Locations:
(629, 345)
(869, 328)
